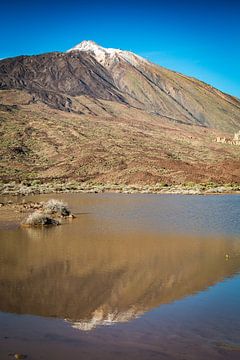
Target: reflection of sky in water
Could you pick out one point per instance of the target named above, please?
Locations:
(203, 326)
(113, 265)
(212, 315)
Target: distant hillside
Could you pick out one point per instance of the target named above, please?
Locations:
(106, 115)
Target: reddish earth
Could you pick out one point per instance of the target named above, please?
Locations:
(68, 116)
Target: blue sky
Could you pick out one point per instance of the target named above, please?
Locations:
(197, 38)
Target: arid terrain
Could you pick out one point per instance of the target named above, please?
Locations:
(112, 118)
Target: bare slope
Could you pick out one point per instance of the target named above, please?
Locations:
(52, 78)
(119, 145)
(111, 74)
(125, 120)
(163, 92)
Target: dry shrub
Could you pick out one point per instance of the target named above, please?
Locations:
(57, 207)
(38, 219)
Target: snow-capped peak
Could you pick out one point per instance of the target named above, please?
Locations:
(103, 55)
(101, 318)
(86, 45)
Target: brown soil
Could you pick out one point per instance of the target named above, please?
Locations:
(127, 147)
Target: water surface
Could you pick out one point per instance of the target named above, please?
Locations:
(132, 277)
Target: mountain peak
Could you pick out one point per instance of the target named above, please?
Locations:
(85, 45)
(106, 55)
(92, 46)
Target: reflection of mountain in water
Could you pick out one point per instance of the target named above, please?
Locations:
(102, 317)
(95, 279)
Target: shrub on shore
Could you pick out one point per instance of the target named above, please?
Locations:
(40, 219)
(48, 213)
(57, 207)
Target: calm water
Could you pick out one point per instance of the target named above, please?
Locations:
(132, 277)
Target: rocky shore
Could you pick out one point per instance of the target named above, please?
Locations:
(30, 213)
(36, 187)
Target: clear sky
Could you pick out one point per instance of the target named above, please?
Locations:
(197, 38)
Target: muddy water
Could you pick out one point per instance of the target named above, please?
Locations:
(132, 277)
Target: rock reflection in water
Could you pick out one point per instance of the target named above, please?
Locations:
(101, 317)
(93, 278)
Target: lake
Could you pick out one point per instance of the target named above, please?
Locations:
(132, 277)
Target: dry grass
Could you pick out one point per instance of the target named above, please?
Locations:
(57, 207)
(40, 219)
(127, 147)
(48, 213)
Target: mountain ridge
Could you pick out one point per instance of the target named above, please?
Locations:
(122, 122)
(138, 83)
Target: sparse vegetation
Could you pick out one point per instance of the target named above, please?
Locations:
(40, 219)
(44, 214)
(75, 150)
(57, 207)
(61, 209)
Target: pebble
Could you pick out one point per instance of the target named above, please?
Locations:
(20, 356)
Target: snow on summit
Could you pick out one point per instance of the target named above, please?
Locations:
(106, 55)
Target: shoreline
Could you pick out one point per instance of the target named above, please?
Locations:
(36, 188)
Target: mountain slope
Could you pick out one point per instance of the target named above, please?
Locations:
(53, 78)
(120, 145)
(125, 120)
(116, 75)
(164, 92)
